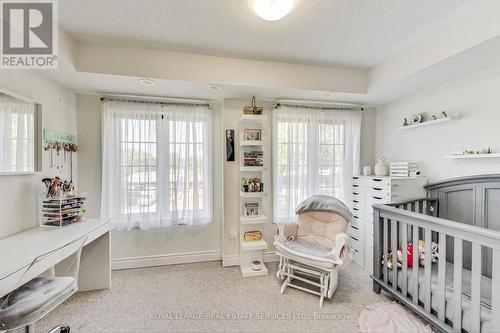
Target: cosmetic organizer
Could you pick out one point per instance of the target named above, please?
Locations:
(61, 211)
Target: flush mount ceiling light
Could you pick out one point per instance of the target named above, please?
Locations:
(147, 82)
(272, 10)
(213, 87)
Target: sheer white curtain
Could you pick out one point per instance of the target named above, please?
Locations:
(316, 151)
(16, 135)
(157, 164)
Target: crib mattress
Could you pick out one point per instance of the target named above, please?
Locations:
(466, 287)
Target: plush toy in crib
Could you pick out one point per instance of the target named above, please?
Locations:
(409, 255)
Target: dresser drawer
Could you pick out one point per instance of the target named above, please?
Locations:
(378, 192)
(355, 243)
(372, 200)
(356, 221)
(379, 182)
(357, 194)
(358, 210)
(356, 256)
(357, 181)
(354, 231)
(357, 204)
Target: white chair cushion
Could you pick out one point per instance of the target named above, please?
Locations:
(324, 225)
(33, 300)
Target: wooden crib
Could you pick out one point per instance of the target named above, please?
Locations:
(461, 291)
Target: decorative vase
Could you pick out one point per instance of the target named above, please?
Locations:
(367, 171)
(382, 167)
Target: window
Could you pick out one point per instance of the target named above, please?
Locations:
(157, 157)
(315, 153)
(138, 166)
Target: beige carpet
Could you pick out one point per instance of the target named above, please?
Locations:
(205, 297)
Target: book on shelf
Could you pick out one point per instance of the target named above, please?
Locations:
(253, 158)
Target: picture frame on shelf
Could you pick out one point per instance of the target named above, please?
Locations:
(252, 134)
(251, 209)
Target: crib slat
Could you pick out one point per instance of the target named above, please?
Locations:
(415, 266)
(386, 250)
(495, 291)
(476, 288)
(457, 284)
(394, 248)
(404, 270)
(441, 291)
(427, 269)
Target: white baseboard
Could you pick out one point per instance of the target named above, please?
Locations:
(234, 260)
(166, 259)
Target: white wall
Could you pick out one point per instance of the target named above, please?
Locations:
(476, 98)
(138, 243)
(19, 195)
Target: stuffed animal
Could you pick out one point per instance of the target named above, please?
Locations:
(409, 255)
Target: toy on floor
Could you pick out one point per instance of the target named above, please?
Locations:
(409, 255)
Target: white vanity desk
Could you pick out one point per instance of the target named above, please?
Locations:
(18, 251)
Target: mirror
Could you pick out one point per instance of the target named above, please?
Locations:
(19, 135)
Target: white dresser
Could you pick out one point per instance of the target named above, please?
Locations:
(370, 190)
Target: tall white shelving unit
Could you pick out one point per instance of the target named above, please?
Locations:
(253, 250)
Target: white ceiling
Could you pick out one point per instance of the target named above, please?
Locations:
(353, 33)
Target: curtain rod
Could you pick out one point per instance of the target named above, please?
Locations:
(335, 108)
(145, 100)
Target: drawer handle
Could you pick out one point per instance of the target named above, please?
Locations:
(355, 209)
(377, 189)
(377, 180)
(378, 198)
(355, 185)
(354, 227)
(355, 217)
(357, 240)
(356, 201)
(355, 193)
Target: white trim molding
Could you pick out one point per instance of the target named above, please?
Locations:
(165, 259)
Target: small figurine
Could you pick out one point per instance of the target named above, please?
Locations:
(434, 117)
(444, 114)
(405, 122)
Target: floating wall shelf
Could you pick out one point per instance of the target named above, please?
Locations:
(252, 168)
(253, 220)
(250, 143)
(253, 194)
(472, 156)
(431, 122)
(253, 245)
(255, 118)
